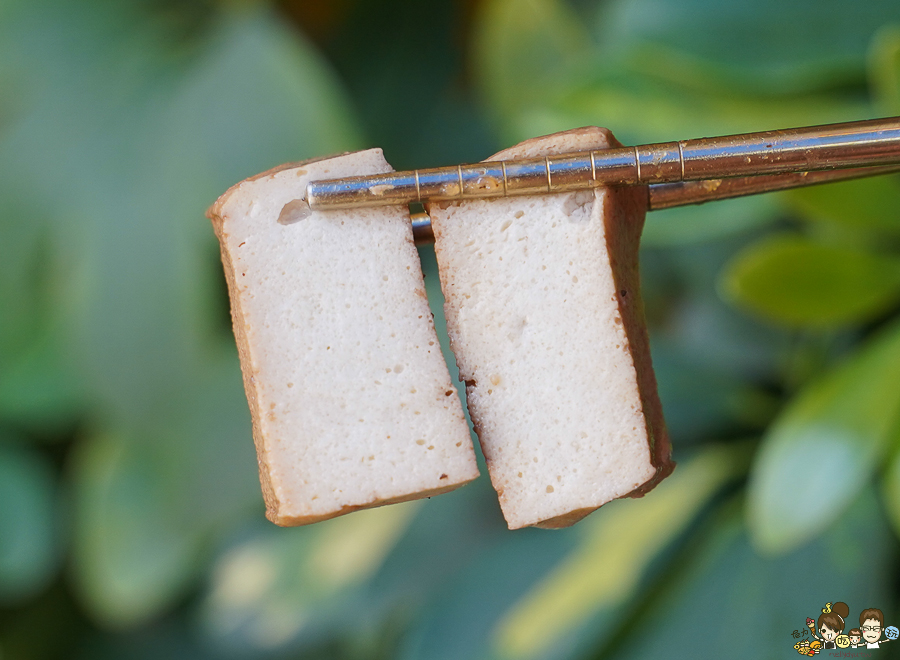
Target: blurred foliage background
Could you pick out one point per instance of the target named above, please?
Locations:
(131, 520)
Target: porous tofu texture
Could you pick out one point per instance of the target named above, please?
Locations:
(544, 315)
(351, 400)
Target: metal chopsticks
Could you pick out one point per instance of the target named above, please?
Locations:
(676, 173)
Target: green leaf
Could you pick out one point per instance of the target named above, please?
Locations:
(884, 69)
(125, 143)
(823, 448)
(541, 76)
(539, 595)
(525, 52)
(798, 282)
(763, 45)
(132, 121)
(149, 499)
(280, 584)
(40, 389)
(641, 109)
(20, 270)
(872, 203)
(132, 555)
(29, 523)
(890, 485)
(723, 599)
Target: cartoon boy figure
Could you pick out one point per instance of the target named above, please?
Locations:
(871, 622)
(855, 635)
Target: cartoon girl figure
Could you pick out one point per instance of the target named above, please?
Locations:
(855, 636)
(831, 624)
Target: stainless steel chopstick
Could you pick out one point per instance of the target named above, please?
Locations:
(872, 144)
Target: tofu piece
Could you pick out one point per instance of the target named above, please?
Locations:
(351, 400)
(544, 312)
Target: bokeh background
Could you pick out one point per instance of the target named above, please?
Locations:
(131, 520)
